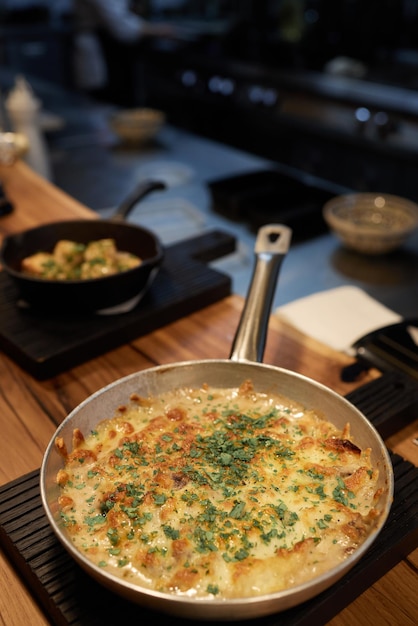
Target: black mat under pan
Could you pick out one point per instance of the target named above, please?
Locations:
(70, 597)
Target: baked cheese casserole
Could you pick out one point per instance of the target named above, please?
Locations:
(216, 493)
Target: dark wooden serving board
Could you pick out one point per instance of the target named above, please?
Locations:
(70, 597)
(47, 344)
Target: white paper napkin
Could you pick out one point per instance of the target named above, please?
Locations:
(338, 317)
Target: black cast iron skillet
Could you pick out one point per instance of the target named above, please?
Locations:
(91, 294)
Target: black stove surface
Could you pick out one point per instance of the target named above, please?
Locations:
(267, 196)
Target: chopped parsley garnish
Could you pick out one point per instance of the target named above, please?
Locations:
(220, 480)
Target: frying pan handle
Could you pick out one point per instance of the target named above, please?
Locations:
(271, 246)
(143, 189)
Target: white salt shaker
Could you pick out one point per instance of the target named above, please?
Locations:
(23, 111)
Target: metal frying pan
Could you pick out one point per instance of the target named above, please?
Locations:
(93, 294)
(271, 246)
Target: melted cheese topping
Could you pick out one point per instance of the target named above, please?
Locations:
(224, 493)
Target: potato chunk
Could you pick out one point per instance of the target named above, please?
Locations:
(71, 260)
(41, 264)
(102, 248)
(69, 253)
(126, 261)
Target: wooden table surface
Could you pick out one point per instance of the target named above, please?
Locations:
(30, 410)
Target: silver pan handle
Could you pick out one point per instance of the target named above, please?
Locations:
(271, 246)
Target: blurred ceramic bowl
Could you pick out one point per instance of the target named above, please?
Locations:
(371, 223)
(12, 147)
(137, 126)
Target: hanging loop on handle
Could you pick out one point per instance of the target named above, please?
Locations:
(271, 246)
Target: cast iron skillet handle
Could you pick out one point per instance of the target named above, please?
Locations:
(271, 246)
(142, 190)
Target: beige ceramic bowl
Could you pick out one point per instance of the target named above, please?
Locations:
(137, 126)
(12, 147)
(371, 223)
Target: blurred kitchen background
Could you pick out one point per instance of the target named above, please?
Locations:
(328, 87)
(299, 99)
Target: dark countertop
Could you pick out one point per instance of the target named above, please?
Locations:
(89, 164)
(101, 177)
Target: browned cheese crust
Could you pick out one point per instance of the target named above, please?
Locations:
(222, 493)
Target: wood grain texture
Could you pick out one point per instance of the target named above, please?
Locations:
(35, 200)
(17, 608)
(31, 409)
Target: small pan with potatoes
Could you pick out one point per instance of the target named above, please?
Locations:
(120, 260)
